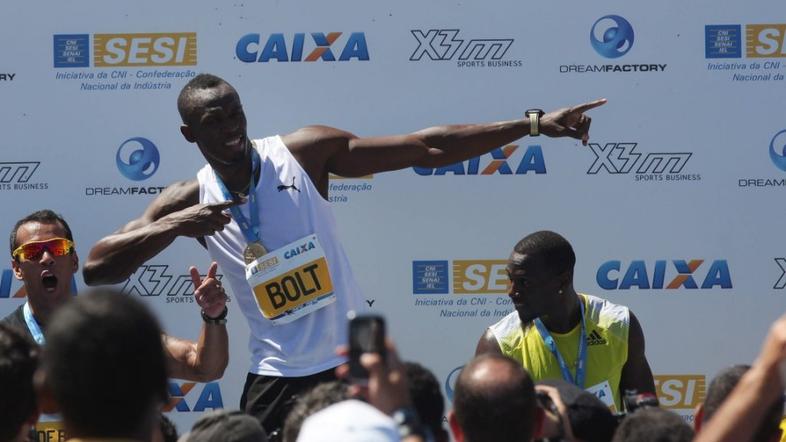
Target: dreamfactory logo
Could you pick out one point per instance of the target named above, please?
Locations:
(612, 36)
(137, 158)
(778, 150)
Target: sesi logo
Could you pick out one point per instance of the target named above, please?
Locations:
(680, 391)
(126, 50)
(470, 277)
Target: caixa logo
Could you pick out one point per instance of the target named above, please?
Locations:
(253, 48)
(614, 275)
(209, 397)
(502, 162)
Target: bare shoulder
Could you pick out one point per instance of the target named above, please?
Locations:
(318, 137)
(487, 344)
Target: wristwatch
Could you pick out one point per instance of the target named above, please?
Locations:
(534, 121)
(221, 319)
(408, 423)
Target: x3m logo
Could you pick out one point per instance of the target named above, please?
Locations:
(780, 284)
(209, 398)
(442, 44)
(18, 172)
(621, 158)
(155, 280)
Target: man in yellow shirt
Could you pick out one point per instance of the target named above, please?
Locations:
(555, 332)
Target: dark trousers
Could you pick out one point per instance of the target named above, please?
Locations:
(269, 398)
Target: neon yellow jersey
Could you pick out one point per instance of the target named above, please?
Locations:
(607, 345)
(783, 430)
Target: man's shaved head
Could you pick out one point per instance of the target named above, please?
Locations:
(185, 100)
(495, 400)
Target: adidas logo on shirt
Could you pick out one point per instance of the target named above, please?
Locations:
(595, 338)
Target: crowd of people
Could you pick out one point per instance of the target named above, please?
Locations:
(563, 365)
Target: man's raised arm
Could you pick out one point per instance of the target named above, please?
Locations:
(347, 155)
(174, 213)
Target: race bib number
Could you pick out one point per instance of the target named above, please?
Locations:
(50, 430)
(292, 281)
(603, 392)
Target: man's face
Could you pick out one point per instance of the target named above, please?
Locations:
(47, 279)
(217, 124)
(533, 290)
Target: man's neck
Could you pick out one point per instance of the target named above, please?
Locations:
(567, 318)
(237, 177)
(40, 313)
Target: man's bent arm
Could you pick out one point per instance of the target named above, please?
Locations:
(636, 373)
(174, 213)
(201, 361)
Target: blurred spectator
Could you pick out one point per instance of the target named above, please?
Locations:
(226, 426)
(653, 425)
(318, 398)
(18, 360)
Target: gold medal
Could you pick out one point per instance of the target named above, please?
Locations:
(254, 251)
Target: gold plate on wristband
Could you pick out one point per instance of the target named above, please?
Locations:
(534, 121)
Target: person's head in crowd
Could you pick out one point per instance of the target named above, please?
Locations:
(653, 424)
(43, 257)
(494, 401)
(226, 426)
(104, 366)
(319, 398)
(18, 361)
(589, 418)
(427, 399)
(165, 431)
(541, 267)
(349, 421)
(720, 388)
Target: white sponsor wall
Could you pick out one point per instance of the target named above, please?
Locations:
(681, 177)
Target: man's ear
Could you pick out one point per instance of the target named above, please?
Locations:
(17, 269)
(75, 261)
(455, 428)
(187, 133)
(46, 399)
(698, 417)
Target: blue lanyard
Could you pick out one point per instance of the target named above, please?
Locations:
(582, 357)
(250, 229)
(33, 326)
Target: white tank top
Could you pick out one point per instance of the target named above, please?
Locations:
(306, 345)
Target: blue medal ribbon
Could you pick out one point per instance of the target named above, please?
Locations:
(32, 325)
(581, 365)
(250, 229)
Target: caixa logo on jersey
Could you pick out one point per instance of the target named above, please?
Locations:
(311, 47)
(451, 45)
(159, 280)
(190, 396)
(508, 160)
(19, 176)
(624, 158)
(664, 274)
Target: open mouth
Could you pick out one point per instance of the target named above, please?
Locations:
(49, 282)
(234, 141)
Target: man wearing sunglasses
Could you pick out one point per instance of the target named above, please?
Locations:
(43, 257)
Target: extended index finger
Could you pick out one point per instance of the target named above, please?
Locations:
(227, 204)
(581, 108)
(211, 272)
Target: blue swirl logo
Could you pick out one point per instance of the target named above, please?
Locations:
(137, 158)
(778, 150)
(450, 382)
(616, 36)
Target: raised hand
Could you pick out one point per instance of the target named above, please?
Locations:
(208, 292)
(569, 121)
